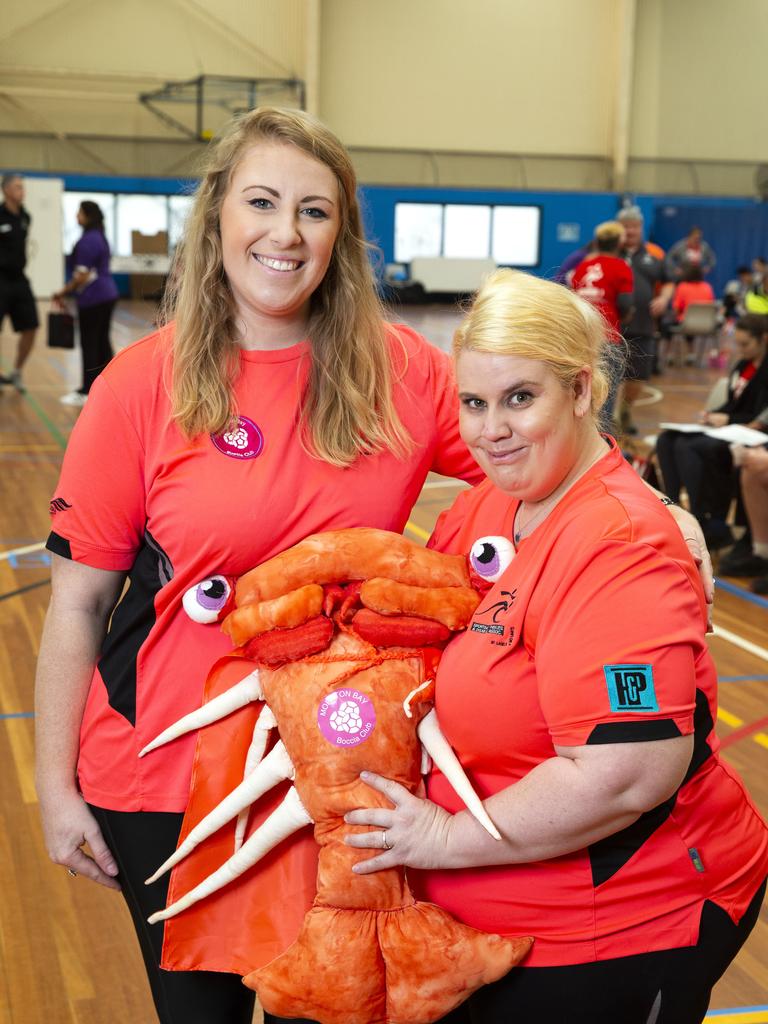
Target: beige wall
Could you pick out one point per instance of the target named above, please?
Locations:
(516, 93)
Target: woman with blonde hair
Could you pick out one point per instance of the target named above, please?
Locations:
(274, 403)
(581, 701)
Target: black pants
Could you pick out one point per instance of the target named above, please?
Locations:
(94, 340)
(673, 986)
(701, 464)
(140, 842)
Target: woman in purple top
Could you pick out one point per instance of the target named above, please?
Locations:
(95, 292)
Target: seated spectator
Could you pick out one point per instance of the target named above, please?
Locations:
(692, 288)
(735, 293)
(605, 280)
(756, 299)
(703, 464)
(751, 559)
(689, 251)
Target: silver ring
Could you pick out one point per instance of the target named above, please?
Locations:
(71, 872)
(384, 844)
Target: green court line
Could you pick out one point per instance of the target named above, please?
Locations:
(53, 430)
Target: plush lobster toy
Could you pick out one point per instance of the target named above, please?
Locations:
(345, 631)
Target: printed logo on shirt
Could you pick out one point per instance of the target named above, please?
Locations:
(630, 687)
(58, 505)
(246, 441)
(346, 717)
(495, 611)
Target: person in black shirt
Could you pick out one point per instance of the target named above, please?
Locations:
(16, 298)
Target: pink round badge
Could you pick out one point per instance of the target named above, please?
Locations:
(346, 717)
(246, 441)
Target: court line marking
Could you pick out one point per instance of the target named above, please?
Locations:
(17, 714)
(739, 641)
(27, 549)
(744, 731)
(745, 595)
(53, 430)
(417, 531)
(651, 397)
(729, 719)
(431, 484)
(744, 1015)
(742, 679)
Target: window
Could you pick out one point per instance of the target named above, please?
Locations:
(178, 209)
(418, 230)
(516, 232)
(510, 235)
(467, 232)
(147, 214)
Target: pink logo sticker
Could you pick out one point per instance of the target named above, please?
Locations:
(346, 717)
(246, 441)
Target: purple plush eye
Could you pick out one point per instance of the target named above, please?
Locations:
(205, 601)
(490, 556)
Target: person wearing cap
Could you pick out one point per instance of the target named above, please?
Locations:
(652, 294)
(605, 280)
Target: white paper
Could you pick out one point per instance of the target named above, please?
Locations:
(731, 433)
(735, 433)
(684, 428)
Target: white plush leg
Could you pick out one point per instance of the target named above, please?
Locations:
(441, 752)
(275, 767)
(289, 817)
(264, 723)
(237, 696)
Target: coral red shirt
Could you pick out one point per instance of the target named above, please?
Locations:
(136, 496)
(593, 634)
(601, 279)
(691, 291)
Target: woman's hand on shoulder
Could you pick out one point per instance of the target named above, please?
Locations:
(68, 826)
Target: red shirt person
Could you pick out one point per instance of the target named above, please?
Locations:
(604, 279)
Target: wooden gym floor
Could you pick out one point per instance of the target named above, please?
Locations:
(68, 951)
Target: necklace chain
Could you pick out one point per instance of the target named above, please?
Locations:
(517, 535)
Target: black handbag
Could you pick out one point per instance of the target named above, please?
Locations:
(61, 330)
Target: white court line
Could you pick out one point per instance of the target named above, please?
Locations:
(444, 483)
(5, 555)
(651, 397)
(739, 641)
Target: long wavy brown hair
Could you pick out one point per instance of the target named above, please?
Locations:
(347, 409)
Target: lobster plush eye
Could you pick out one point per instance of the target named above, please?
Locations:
(207, 600)
(490, 556)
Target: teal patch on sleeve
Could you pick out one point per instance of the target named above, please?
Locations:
(630, 687)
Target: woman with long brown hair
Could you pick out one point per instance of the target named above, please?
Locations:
(274, 403)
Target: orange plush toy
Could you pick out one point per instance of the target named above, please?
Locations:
(345, 631)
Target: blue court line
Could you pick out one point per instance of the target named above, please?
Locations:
(18, 714)
(737, 1010)
(745, 595)
(742, 679)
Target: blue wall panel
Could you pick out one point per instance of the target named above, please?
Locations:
(736, 228)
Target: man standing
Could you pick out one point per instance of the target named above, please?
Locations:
(653, 292)
(690, 251)
(16, 298)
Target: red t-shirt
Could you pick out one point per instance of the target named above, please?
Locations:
(135, 495)
(601, 279)
(593, 634)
